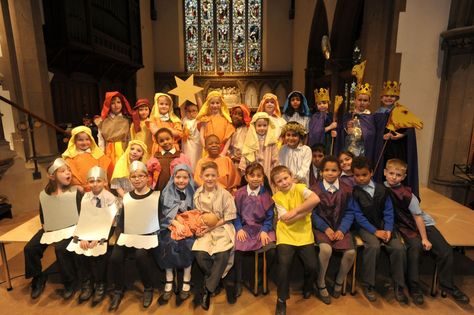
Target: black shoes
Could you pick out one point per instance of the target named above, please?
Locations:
(37, 286)
(116, 299)
(206, 299)
(417, 297)
(400, 296)
(99, 293)
(184, 295)
(86, 291)
(324, 296)
(280, 308)
(238, 289)
(165, 297)
(337, 291)
(230, 291)
(369, 293)
(457, 294)
(306, 294)
(68, 291)
(147, 297)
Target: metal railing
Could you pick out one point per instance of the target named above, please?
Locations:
(32, 118)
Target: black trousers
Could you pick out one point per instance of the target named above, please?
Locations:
(33, 253)
(143, 262)
(442, 251)
(397, 257)
(285, 254)
(93, 268)
(213, 267)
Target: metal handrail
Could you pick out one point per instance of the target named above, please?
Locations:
(34, 157)
(16, 106)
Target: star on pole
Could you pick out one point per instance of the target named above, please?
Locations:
(185, 90)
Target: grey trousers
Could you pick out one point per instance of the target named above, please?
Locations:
(371, 252)
(213, 267)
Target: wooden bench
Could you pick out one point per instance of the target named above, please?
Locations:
(21, 234)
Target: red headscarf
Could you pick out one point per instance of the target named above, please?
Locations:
(126, 109)
(136, 118)
(246, 112)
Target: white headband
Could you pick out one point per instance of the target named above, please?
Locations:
(96, 172)
(56, 164)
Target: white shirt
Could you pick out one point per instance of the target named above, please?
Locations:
(106, 198)
(172, 151)
(254, 192)
(298, 160)
(328, 185)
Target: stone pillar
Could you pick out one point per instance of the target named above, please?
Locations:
(145, 76)
(29, 72)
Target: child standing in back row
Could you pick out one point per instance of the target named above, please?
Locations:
(141, 113)
(191, 144)
(114, 125)
(296, 109)
(214, 119)
(240, 115)
(294, 154)
(260, 144)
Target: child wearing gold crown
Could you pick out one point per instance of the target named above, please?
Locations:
(399, 144)
(357, 131)
(321, 126)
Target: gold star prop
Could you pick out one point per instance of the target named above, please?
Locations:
(185, 90)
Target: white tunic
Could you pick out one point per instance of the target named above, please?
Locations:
(192, 147)
(297, 160)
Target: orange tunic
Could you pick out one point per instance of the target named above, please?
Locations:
(82, 163)
(219, 126)
(228, 174)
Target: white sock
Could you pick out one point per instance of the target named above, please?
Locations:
(169, 280)
(186, 278)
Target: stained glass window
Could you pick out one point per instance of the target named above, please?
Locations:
(223, 35)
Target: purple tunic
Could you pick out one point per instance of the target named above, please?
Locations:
(367, 124)
(332, 210)
(316, 127)
(348, 180)
(252, 210)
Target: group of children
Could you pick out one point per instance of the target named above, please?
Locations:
(219, 183)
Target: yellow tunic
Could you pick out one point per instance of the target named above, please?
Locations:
(298, 233)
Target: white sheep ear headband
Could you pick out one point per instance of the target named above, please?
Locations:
(138, 166)
(96, 172)
(59, 162)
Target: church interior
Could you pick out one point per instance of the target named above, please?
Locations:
(59, 58)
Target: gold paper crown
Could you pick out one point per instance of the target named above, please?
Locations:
(364, 88)
(321, 95)
(391, 88)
